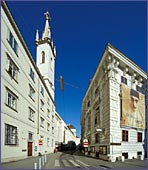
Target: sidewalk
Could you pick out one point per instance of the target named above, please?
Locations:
(27, 163)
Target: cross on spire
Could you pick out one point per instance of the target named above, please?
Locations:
(47, 15)
(46, 32)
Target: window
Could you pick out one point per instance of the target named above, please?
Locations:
(88, 104)
(97, 115)
(52, 130)
(97, 92)
(48, 142)
(10, 38)
(139, 137)
(103, 150)
(139, 153)
(31, 74)
(51, 64)
(92, 149)
(125, 154)
(31, 92)
(31, 114)
(140, 89)
(30, 136)
(42, 105)
(52, 109)
(41, 122)
(48, 113)
(41, 136)
(11, 100)
(123, 80)
(43, 57)
(15, 46)
(12, 42)
(48, 101)
(12, 69)
(96, 119)
(48, 127)
(11, 135)
(125, 135)
(52, 118)
(42, 91)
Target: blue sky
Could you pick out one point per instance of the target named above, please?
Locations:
(80, 31)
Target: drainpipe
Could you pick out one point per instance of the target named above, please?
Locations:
(38, 109)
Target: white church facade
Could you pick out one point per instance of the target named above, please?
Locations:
(28, 112)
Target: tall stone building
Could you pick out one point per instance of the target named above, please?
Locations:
(113, 116)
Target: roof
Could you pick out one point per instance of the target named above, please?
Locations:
(71, 126)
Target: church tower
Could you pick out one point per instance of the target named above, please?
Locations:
(46, 55)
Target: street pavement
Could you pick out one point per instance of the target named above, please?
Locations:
(73, 161)
(27, 163)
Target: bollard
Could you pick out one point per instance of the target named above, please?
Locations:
(40, 163)
(35, 165)
(45, 158)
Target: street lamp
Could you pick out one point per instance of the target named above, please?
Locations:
(100, 130)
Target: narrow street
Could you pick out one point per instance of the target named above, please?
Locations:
(78, 160)
(74, 160)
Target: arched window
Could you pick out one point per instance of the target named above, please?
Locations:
(43, 57)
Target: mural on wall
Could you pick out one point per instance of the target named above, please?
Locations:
(133, 108)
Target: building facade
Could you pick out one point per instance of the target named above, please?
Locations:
(114, 109)
(29, 119)
(64, 134)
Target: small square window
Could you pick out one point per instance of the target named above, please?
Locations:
(30, 136)
(123, 80)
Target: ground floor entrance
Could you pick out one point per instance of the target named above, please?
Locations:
(29, 148)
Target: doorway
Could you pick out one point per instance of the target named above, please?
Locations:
(29, 148)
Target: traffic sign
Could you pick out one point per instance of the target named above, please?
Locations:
(85, 142)
(40, 142)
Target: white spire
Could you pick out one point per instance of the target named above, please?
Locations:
(46, 32)
(37, 35)
(55, 51)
